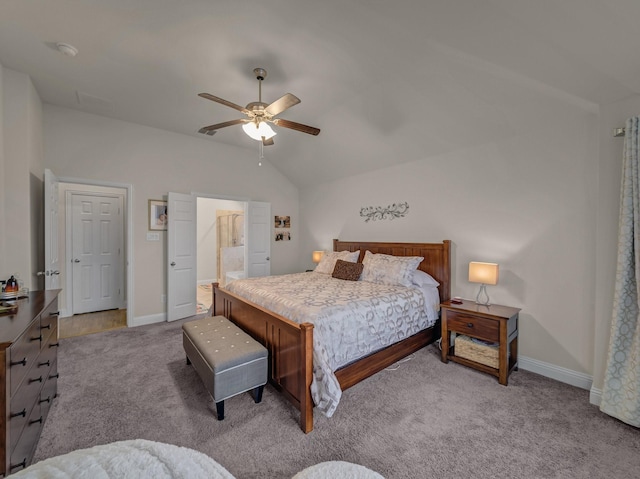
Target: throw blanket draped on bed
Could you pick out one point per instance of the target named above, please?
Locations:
(351, 319)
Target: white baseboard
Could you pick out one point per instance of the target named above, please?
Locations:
(149, 319)
(595, 396)
(558, 373)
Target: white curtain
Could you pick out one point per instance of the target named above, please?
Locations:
(621, 391)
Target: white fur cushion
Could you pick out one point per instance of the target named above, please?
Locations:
(137, 458)
(337, 469)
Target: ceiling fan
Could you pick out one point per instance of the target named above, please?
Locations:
(259, 115)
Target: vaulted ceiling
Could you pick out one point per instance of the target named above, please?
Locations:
(386, 82)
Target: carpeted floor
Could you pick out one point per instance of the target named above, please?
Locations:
(426, 419)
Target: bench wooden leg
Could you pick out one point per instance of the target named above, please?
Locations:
(220, 410)
(257, 393)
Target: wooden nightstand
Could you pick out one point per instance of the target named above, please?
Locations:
(494, 323)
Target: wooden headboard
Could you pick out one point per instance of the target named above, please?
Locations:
(436, 257)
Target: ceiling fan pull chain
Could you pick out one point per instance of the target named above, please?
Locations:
(260, 154)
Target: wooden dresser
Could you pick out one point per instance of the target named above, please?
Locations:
(28, 375)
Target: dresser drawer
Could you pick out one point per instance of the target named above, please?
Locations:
(22, 404)
(49, 321)
(49, 351)
(23, 354)
(49, 391)
(480, 328)
(23, 452)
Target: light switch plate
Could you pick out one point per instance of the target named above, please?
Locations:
(153, 236)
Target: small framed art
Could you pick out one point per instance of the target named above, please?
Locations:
(157, 215)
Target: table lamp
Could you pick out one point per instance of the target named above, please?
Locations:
(483, 273)
(317, 256)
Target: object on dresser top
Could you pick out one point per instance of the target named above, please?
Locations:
(11, 285)
(8, 308)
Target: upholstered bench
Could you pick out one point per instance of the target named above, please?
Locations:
(227, 359)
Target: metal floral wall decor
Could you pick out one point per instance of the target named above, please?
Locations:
(391, 212)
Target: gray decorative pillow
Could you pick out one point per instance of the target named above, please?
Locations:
(347, 270)
(388, 269)
(328, 261)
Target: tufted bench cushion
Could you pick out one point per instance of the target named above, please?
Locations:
(227, 359)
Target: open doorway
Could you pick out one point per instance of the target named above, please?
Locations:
(221, 251)
(88, 304)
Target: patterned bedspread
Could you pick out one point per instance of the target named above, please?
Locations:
(351, 319)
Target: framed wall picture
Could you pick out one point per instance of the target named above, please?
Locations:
(157, 215)
(282, 221)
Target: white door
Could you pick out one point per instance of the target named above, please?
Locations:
(97, 258)
(51, 271)
(259, 239)
(181, 256)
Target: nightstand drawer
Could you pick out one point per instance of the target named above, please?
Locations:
(480, 328)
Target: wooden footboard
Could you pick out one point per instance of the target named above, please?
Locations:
(290, 347)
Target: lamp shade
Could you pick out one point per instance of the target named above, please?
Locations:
(317, 256)
(258, 131)
(485, 273)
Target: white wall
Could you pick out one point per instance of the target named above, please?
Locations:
(527, 202)
(3, 267)
(82, 145)
(22, 192)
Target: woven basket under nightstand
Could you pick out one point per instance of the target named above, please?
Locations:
(481, 353)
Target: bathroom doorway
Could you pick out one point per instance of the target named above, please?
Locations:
(220, 252)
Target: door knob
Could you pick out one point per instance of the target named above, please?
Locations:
(267, 258)
(76, 260)
(55, 272)
(40, 273)
(173, 263)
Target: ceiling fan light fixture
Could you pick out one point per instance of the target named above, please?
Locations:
(258, 131)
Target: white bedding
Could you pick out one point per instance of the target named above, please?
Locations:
(351, 319)
(132, 459)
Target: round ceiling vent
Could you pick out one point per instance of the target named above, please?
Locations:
(67, 49)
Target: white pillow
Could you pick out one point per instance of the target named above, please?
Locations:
(387, 269)
(329, 258)
(420, 278)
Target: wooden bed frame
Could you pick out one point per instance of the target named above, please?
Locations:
(290, 344)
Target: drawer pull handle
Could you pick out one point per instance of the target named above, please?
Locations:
(48, 326)
(15, 363)
(22, 413)
(46, 363)
(469, 325)
(37, 338)
(36, 420)
(54, 376)
(45, 400)
(22, 464)
(54, 345)
(54, 314)
(36, 380)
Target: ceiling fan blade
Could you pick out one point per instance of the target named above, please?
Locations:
(267, 141)
(211, 97)
(283, 103)
(296, 126)
(210, 130)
